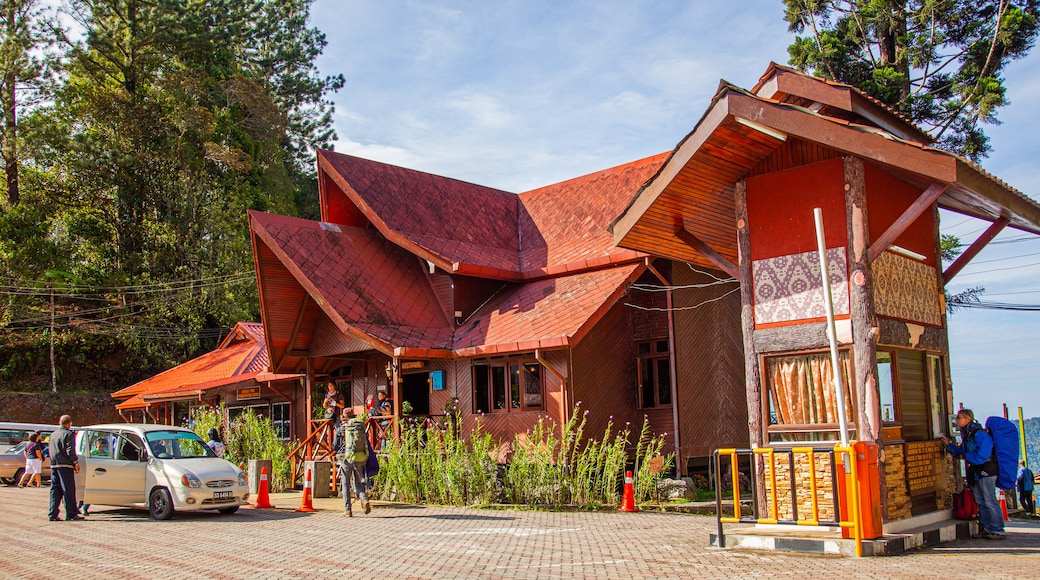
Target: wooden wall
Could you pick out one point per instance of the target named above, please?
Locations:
(709, 365)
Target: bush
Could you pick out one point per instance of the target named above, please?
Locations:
(249, 436)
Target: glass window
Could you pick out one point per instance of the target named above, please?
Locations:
(643, 348)
(177, 445)
(654, 373)
(481, 389)
(129, 447)
(514, 386)
(803, 402)
(498, 387)
(532, 385)
(662, 346)
(887, 387)
(99, 444)
(281, 420)
(664, 381)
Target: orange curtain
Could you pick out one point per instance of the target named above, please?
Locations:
(803, 389)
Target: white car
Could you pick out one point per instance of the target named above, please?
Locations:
(158, 467)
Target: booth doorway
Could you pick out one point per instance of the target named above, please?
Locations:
(415, 389)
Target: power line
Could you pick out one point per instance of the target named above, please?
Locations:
(1000, 269)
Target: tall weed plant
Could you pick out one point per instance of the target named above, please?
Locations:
(248, 436)
(549, 466)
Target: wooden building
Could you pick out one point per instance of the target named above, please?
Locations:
(738, 194)
(234, 375)
(514, 307)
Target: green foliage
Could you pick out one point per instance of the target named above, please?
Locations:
(434, 464)
(248, 436)
(940, 62)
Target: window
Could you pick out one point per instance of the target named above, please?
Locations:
(507, 386)
(887, 388)
(654, 372)
(281, 419)
(801, 400)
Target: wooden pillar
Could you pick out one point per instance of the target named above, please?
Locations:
(861, 304)
(865, 330)
(752, 368)
(308, 392)
(396, 393)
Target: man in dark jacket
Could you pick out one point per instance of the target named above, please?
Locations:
(64, 467)
(976, 447)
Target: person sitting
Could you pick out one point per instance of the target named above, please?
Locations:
(100, 448)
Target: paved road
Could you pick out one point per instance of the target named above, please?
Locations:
(417, 542)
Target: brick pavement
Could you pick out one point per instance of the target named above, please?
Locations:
(438, 542)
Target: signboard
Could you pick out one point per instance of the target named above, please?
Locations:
(437, 380)
(923, 466)
(412, 365)
(250, 393)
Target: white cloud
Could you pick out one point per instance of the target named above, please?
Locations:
(483, 109)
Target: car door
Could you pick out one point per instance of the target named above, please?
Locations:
(116, 468)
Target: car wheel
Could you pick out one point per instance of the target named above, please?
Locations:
(229, 510)
(160, 504)
(17, 476)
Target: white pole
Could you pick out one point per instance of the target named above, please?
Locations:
(832, 337)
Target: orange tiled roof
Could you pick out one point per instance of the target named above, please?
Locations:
(240, 353)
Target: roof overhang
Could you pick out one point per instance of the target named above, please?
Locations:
(694, 189)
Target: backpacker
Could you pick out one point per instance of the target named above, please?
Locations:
(964, 506)
(355, 444)
(1005, 450)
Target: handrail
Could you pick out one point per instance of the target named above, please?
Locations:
(315, 447)
(851, 520)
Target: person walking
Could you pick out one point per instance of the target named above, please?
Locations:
(214, 442)
(64, 467)
(352, 453)
(1025, 487)
(977, 448)
(33, 462)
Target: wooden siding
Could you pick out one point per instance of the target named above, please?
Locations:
(794, 153)
(280, 289)
(604, 375)
(709, 365)
(502, 426)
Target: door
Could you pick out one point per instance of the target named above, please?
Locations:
(415, 390)
(115, 468)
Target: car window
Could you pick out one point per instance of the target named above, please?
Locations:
(177, 445)
(98, 444)
(129, 447)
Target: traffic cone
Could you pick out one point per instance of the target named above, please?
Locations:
(306, 505)
(262, 499)
(628, 503)
(1003, 505)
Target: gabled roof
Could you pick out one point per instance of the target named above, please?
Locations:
(241, 356)
(693, 189)
(478, 231)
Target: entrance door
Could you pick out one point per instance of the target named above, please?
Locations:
(415, 390)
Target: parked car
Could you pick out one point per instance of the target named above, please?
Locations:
(14, 433)
(158, 467)
(12, 464)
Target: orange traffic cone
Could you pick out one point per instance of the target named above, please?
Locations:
(628, 503)
(262, 499)
(1003, 505)
(306, 505)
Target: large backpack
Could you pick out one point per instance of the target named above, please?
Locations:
(1005, 450)
(355, 444)
(964, 505)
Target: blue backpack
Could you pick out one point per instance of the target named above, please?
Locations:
(1005, 450)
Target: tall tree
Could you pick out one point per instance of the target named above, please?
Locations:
(940, 62)
(26, 33)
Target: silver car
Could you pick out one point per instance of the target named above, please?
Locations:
(12, 464)
(162, 468)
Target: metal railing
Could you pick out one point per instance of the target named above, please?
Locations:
(768, 455)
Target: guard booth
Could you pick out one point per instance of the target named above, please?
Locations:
(738, 194)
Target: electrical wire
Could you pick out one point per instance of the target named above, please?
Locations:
(680, 308)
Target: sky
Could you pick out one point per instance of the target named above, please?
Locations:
(522, 94)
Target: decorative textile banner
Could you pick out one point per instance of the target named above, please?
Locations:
(789, 287)
(906, 289)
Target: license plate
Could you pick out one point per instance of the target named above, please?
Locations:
(223, 494)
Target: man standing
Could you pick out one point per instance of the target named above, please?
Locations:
(64, 467)
(352, 453)
(977, 449)
(1025, 488)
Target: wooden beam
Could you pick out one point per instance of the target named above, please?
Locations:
(920, 205)
(295, 332)
(707, 251)
(974, 249)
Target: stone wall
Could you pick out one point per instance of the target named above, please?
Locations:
(85, 408)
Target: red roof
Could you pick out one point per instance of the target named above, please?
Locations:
(241, 355)
(479, 231)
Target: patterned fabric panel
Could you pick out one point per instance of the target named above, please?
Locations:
(906, 289)
(790, 288)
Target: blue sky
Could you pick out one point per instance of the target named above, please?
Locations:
(520, 94)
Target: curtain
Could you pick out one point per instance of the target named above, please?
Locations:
(802, 389)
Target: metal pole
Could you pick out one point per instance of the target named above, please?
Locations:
(828, 305)
(1022, 435)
